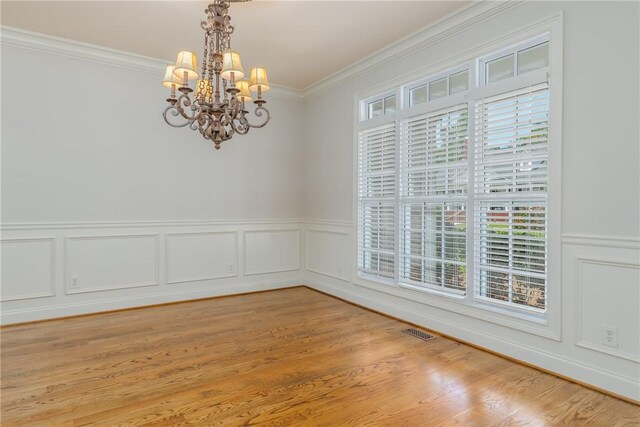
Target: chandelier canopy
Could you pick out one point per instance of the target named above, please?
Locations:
(218, 108)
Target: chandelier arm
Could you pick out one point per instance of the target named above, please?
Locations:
(194, 124)
(173, 111)
(259, 111)
(203, 124)
(184, 103)
(241, 127)
(231, 113)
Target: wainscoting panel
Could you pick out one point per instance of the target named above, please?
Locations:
(271, 251)
(28, 268)
(328, 253)
(100, 263)
(63, 269)
(192, 257)
(607, 294)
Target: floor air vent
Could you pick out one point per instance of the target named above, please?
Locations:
(418, 334)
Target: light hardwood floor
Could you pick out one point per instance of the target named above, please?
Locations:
(287, 357)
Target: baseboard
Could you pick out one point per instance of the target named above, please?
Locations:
(12, 317)
(589, 376)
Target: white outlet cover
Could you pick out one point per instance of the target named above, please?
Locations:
(609, 335)
(74, 282)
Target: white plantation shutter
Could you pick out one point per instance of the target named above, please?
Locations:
(511, 179)
(376, 207)
(433, 199)
(512, 142)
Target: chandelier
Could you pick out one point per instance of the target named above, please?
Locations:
(218, 109)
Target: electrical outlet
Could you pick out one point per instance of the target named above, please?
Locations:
(232, 268)
(609, 335)
(74, 282)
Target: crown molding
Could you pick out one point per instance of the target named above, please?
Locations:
(448, 26)
(472, 15)
(17, 37)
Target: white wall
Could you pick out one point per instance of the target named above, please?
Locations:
(600, 193)
(84, 141)
(104, 206)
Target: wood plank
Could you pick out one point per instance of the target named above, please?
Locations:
(285, 357)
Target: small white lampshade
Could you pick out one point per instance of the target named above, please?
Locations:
(170, 78)
(231, 64)
(186, 62)
(259, 78)
(204, 90)
(245, 94)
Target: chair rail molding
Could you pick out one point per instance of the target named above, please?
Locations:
(601, 241)
(147, 224)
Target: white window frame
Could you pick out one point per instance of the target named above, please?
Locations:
(512, 50)
(364, 107)
(425, 82)
(551, 29)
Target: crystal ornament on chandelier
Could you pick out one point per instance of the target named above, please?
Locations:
(218, 109)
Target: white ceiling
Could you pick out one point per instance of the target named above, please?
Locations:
(300, 42)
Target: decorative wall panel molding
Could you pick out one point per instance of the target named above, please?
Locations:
(271, 251)
(199, 256)
(28, 268)
(327, 253)
(606, 295)
(108, 262)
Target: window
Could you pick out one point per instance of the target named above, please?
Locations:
(381, 106)
(439, 87)
(453, 187)
(517, 62)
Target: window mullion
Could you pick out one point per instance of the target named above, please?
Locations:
(510, 231)
(397, 214)
(443, 247)
(471, 208)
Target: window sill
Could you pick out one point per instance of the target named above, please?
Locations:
(456, 296)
